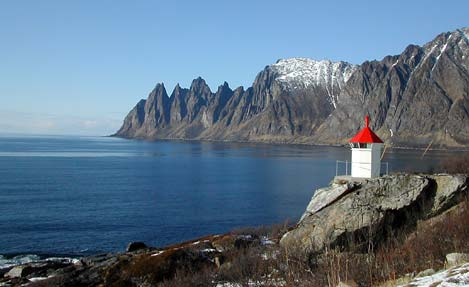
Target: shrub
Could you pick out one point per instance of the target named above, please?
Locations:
(457, 164)
(270, 265)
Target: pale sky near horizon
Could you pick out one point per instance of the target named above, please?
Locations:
(78, 67)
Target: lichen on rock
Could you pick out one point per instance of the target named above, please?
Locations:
(372, 210)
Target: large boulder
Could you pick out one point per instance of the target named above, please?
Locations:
(454, 259)
(367, 211)
(134, 246)
(19, 271)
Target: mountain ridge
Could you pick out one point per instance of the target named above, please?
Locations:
(415, 98)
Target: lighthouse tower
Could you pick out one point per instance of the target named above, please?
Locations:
(366, 153)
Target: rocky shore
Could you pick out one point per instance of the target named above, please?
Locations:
(388, 231)
(139, 265)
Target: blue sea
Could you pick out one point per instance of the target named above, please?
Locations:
(63, 195)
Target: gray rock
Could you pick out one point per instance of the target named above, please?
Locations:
(36, 269)
(349, 283)
(454, 259)
(447, 185)
(372, 210)
(327, 195)
(134, 246)
(19, 271)
(98, 260)
(426, 272)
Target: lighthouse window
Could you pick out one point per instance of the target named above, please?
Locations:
(360, 145)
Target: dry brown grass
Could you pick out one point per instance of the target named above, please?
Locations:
(424, 248)
(456, 164)
(274, 231)
(154, 269)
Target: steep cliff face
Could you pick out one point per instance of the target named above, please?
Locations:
(133, 121)
(414, 98)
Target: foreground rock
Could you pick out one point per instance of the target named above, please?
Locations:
(134, 246)
(139, 266)
(369, 211)
(454, 259)
(35, 271)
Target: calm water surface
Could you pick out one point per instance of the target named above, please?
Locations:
(84, 195)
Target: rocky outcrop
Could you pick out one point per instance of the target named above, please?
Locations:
(371, 210)
(453, 259)
(418, 97)
(140, 265)
(134, 246)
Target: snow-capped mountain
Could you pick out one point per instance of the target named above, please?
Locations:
(457, 41)
(304, 73)
(419, 97)
(414, 98)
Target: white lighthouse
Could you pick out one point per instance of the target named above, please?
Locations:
(366, 153)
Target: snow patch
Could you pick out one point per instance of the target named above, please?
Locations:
(37, 279)
(208, 250)
(303, 73)
(252, 283)
(428, 53)
(266, 241)
(441, 52)
(157, 253)
(464, 34)
(245, 237)
(458, 276)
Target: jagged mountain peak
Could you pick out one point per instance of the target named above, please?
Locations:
(178, 91)
(456, 41)
(416, 97)
(419, 98)
(200, 86)
(198, 81)
(224, 87)
(159, 90)
(159, 86)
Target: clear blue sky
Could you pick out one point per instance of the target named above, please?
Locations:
(78, 67)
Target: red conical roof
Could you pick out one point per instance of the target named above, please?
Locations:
(366, 135)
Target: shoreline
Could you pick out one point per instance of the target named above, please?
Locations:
(274, 143)
(268, 255)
